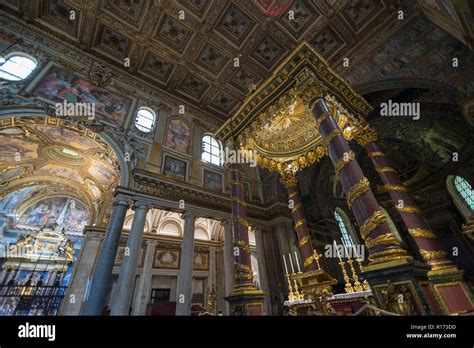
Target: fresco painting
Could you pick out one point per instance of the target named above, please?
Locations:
(56, 213)
(178, 136)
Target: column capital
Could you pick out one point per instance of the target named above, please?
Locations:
(288, 179)
(122, 200)
(187, 215)
(364, 135)
(138, 204)
(151, 242)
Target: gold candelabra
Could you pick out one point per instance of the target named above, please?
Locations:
(365, 283)
(294, 293)
(357, 285)
(348, 285)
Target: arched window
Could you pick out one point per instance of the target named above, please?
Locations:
(17, 67)
(462, 194)
(145, 120)
(211, 150)
(344, 226)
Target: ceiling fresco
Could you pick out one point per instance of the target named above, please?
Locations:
(47, 156)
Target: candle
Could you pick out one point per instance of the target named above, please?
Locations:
(284, 261)
(297, 262)
(337, 251)
(291, 263)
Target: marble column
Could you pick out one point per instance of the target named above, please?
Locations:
(228, 260)
(445, 277)
(262, 267)
(243, 265)
(245, 298)
(426, 241)
(102, 275)
(374, 229)
(128, 269)
(144, 282)
(76, 290)
(184, 288)
(299, 219)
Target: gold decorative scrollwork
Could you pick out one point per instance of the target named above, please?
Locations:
(308, 261)
(304, 240)
(421, 232)
(296, 207)
(299, 223)
(357, 190)
(241, 221)
(375, 154)
(433, 255)
(376, 219)
(395, 188)
(386, 170)
(289, 180)
(322, 118)
(343, 161)
(409, 209)
(365, 135)
(242, 245)
(331, 136)
(387, 238)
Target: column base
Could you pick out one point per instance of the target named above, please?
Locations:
(246, 301)
(401, 287)
(450, 291)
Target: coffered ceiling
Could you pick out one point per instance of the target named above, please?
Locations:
(189, 47)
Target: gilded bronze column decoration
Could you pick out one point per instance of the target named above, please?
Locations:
(426, 241)
(374, 229)
(245, 299)
(297, 212)
(242, 264)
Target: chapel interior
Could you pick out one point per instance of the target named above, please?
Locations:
(122, 123)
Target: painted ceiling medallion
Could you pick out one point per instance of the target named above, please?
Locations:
(65, 155)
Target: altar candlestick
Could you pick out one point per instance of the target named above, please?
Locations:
(297, 262)
(355, 252)
(346, 251)
(284, 261)
(291, 263)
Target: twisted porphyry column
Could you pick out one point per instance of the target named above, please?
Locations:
(245, 299)
(382, 244)
(299, 219)
(426, 241)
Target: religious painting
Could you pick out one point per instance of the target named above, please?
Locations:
(212, 180)
(56, 213)
(61, 172)
(14, 199)
(178, 136)
(11, 173)
(102, 171)
(201, 261)
(65, 136)
(175, 168)
(166, 258)
(17, 149)
(59, 86)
